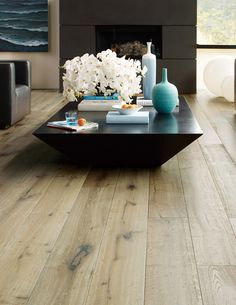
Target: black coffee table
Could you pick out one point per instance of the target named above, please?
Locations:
(139, 145)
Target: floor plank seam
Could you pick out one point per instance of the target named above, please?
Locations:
(189, 226)
(167, 217)
(215, 265)
(148, 213)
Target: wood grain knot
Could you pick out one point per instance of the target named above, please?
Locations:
(131, 187)
(22, 297)
(84, 250)
(26, 195)
(128, 235)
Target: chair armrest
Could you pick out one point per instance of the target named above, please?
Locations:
(7, 89)
(23, 72)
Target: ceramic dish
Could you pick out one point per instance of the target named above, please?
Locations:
(127, 111)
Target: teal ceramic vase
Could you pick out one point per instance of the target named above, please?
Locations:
(164, 95)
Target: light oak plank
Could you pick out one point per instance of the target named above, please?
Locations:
(223, 171)
(16, 206)
(224, 125)
(209, 136)
(213, 238)
(25, 178)
(24, 257)
(66, 278)
(120, 271)
(166, 194)
(171, 275)
(218, 284)
(19, 194)
(218, 160)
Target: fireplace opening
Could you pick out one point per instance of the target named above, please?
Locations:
(129, 40)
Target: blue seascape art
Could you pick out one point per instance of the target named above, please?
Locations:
(23, 25)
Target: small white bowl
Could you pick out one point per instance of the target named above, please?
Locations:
(127, 111)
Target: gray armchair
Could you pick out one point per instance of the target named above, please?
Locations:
(15, 91)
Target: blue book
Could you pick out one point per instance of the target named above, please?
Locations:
(101, 97)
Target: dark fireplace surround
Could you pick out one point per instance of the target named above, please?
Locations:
(90, 27)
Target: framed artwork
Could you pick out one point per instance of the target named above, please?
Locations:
(23, 25)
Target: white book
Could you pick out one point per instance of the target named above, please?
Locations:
(114, 117)
(146, 103)
(98, 105)
(63, 125)
(142, 102)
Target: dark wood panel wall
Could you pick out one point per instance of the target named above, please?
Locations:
(78, 19)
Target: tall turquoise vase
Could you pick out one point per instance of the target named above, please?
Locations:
(149, 80)
(164, 95)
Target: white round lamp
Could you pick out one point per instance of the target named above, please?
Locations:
(227, 88)
(216, 71)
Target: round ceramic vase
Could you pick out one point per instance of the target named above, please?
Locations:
(164, 95)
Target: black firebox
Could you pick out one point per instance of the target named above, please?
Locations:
(129, 40)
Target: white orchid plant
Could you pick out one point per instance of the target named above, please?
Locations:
(103, 74)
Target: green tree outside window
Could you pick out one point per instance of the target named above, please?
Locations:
(216, 24)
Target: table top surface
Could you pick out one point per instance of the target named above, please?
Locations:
(181, 121)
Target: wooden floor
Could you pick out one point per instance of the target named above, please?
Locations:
(86, 236)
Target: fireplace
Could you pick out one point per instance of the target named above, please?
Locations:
(129, 40)
(126, 26)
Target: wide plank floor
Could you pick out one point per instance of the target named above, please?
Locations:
(118, 236)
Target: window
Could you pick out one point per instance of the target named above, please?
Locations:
(216, 23)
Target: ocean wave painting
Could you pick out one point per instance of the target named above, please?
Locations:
(24, 25)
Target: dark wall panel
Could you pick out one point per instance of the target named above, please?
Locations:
(102, 12)
(179, 42)
(76, 40)
(181, 72)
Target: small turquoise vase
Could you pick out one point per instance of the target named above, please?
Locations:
(164, 95)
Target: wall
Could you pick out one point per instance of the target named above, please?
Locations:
(204, 56)
(45, 71)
